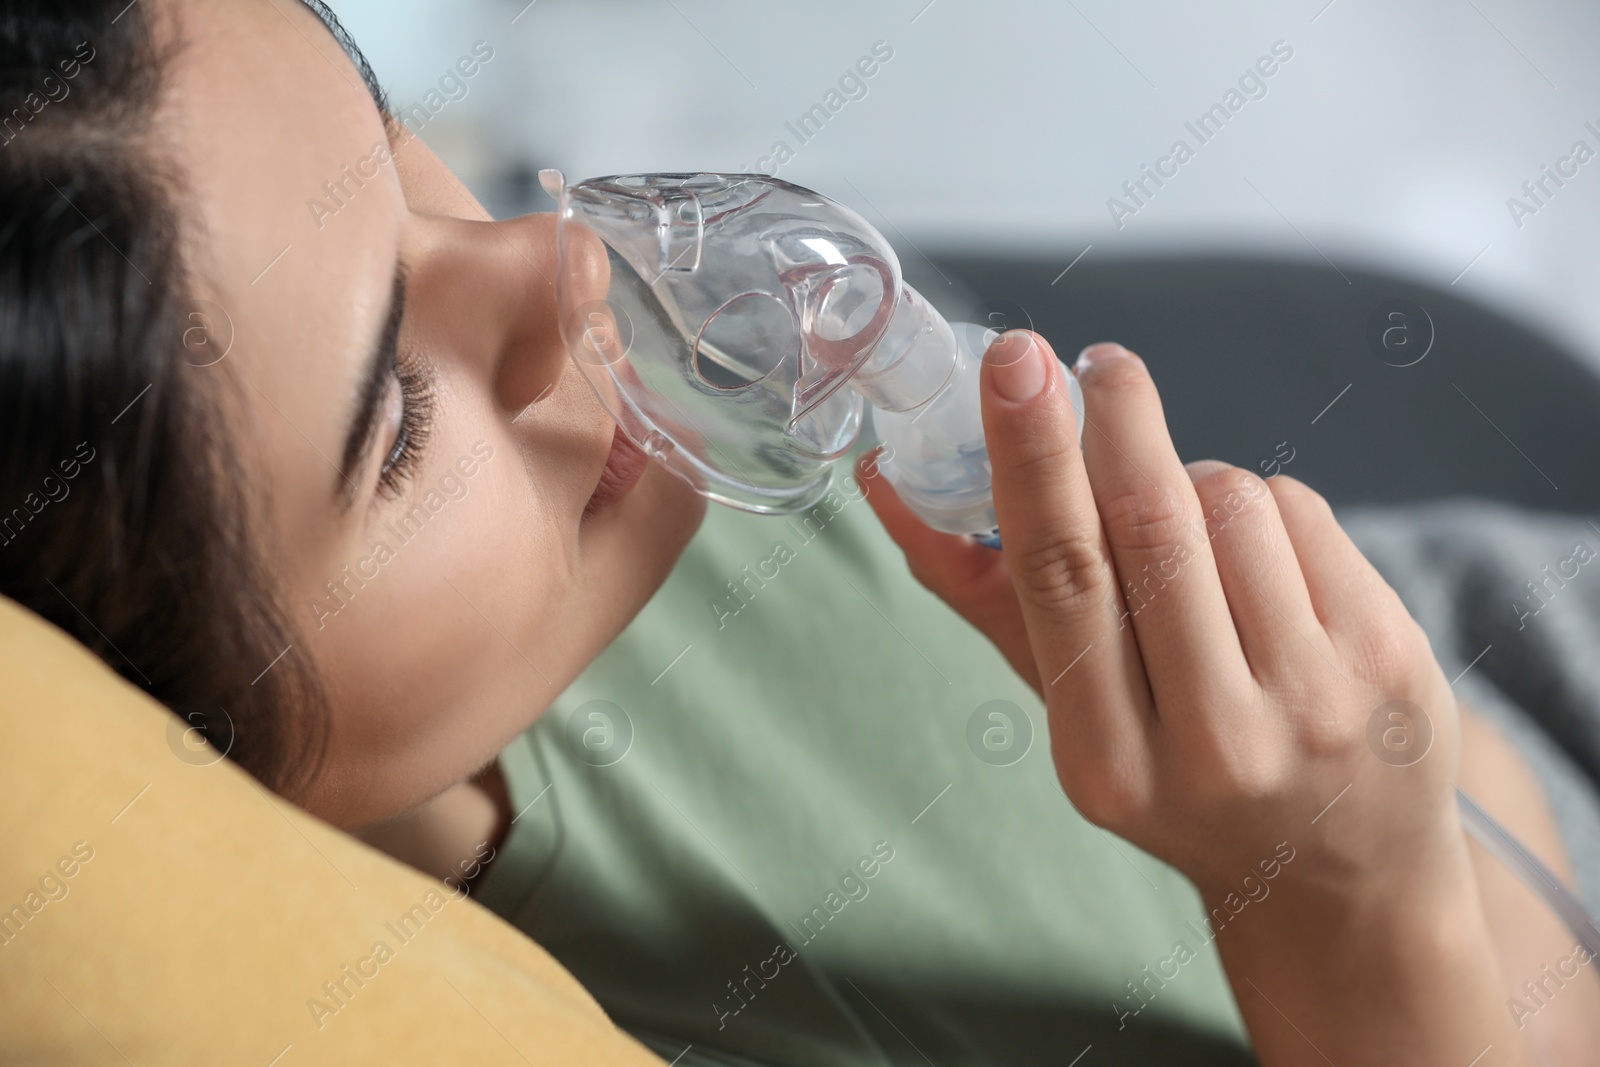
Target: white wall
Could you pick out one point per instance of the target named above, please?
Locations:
(1393, 137)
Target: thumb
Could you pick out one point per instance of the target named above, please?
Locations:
(970, 577)
(950, 565)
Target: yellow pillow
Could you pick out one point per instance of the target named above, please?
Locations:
(157, 909)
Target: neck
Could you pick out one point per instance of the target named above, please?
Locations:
(446, 837)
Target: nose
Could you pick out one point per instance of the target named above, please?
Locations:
(490, 288)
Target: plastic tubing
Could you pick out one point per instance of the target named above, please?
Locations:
(1482, 827)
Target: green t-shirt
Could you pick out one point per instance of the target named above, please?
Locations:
(802, 813)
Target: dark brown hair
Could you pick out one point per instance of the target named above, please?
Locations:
(124, 513)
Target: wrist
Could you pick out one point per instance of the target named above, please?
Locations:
(1410, 957)
(1343, 906)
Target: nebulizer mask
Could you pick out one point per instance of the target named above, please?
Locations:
(740, 328)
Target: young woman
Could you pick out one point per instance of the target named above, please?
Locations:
(217, 404)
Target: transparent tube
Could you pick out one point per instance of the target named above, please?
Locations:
(1511, 852)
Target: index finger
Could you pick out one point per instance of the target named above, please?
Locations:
(1056, 551)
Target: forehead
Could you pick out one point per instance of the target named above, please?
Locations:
(265, 118)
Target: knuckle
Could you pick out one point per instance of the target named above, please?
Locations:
(1325, 731)
(1228, 492)
(1037, 454)
(1243, 765)
(1321, 723)
(1033, 456)
(1065, 571)
(1253, 781)
(1146, 519)
(1388, 648)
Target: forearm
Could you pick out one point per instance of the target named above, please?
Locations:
(1403, 976)
(1560, 1014)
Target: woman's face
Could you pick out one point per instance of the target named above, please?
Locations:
(431, 519)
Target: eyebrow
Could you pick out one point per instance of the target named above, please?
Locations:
(381, 362)
(379, 372)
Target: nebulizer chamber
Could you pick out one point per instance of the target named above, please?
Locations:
(739, 328)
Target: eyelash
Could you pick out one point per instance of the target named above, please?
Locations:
(416, 421)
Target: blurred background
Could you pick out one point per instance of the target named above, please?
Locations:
(1382, 160)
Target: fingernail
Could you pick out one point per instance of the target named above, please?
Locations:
(1104, 352)
(1017, 366)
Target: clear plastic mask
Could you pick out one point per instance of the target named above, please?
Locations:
(739, 328)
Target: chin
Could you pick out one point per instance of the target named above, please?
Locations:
(644, 533)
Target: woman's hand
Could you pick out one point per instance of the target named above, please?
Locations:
(1223, 672)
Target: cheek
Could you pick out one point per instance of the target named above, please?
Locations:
(481, 614)
(482, 609)
(440, 650)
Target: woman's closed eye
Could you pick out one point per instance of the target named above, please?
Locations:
(408, 422)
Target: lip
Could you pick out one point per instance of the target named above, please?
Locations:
(625, 464)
